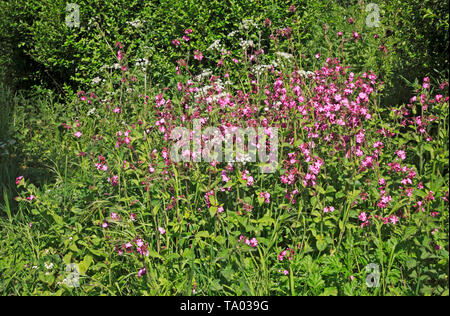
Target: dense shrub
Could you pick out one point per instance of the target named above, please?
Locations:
(413, 36)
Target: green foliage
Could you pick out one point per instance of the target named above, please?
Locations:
(414, 34)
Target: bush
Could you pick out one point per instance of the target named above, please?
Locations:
(58, 55)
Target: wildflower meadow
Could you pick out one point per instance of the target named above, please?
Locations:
(224, 148)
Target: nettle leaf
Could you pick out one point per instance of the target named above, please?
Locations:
(203, 234)
(220, 240)
(213, 211)
(154, 254)
(188, 254)
(329, 291)
(266, 221)
(213, 200)
(321, 243)
(84, 265)
(340, 195)
(67, 258)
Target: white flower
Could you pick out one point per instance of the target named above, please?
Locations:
(205, 73)
(305, 73)
(215, 46)
(136, 24)
(245, 24)
(91, 111)
(141, 62)
(246, 44)
(48, 266)
(284, 55)
(96, 80)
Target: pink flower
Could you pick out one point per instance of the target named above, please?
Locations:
(282, 255)
(384, 201)
(31, 198)
(327, 209)
(401, 154)
(225, 177)
(378, 144)
(139, 243)
(18, 180)
(114, 216)
(198, 55)
(114, 180)
(266, 196)
(133, 217)
(253, 242)
(142, 272)
(105, 225)
(77, 134)
(162, 230)
(362, 216)
(393, 219)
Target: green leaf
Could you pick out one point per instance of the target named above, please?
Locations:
(321, 243)
(154, 254)
(220, 240)
(213, 211)
(329, 291)
(188, 254)
(213, 200)
(67, 258)
(203, 234)
(84, 265)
